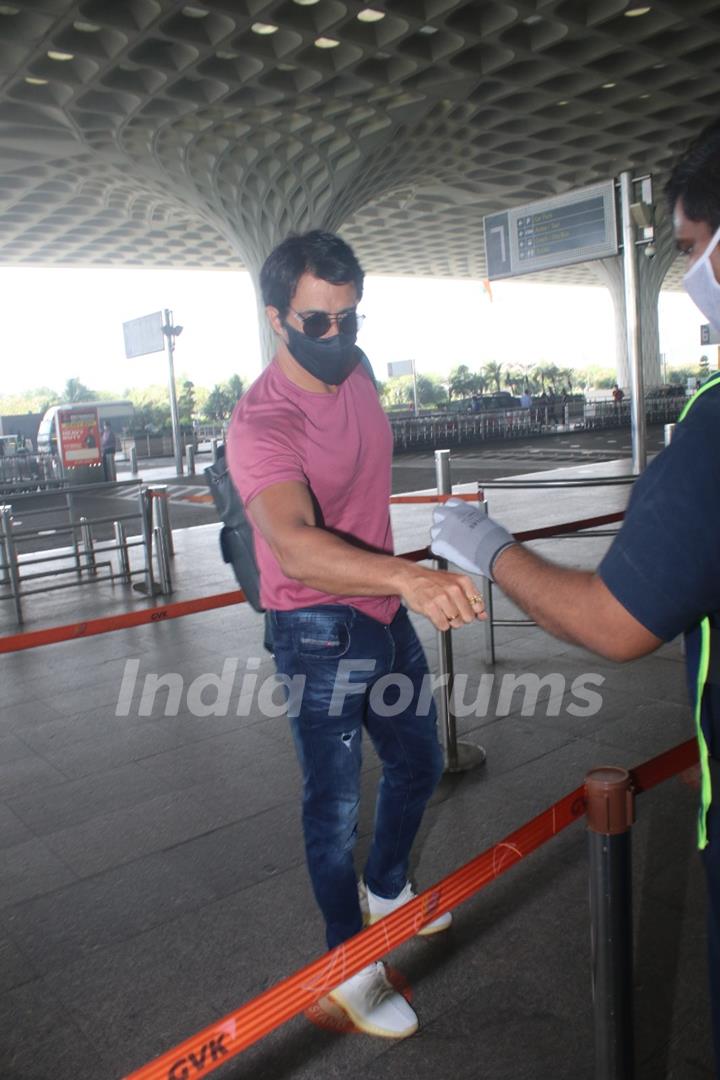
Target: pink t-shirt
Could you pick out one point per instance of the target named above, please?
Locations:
(340, 445)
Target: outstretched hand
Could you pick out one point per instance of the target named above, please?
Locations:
(467, 537)
(448, 600)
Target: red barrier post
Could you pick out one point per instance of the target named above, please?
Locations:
(610, 815)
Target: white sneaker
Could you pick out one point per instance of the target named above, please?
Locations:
(375, 907)
(373, 1005)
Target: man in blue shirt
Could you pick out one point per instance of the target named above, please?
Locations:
(661, 576)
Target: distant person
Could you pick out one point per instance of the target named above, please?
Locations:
(618, 397)
(525, 399)
(108, 447)
(661, 576)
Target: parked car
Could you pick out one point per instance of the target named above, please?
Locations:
(502, 399)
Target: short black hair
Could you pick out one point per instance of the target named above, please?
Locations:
(322, 254)
(695, 179)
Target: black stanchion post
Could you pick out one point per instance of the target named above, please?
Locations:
(610, 815)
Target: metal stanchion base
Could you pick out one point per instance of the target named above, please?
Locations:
(141, 586)
(468, 757)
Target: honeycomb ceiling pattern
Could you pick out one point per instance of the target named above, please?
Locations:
(157, 132)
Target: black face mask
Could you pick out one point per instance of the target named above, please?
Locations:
(329, 359)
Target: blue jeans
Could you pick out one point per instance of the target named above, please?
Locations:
(348, 671)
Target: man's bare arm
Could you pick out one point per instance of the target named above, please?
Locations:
(575, 605)
(285, 516)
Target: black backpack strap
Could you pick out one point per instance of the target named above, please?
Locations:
(368, 366)
(237, 543)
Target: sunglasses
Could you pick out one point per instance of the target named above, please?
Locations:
(317, 323)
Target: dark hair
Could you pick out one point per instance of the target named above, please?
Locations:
(695, 178)
(321, 254)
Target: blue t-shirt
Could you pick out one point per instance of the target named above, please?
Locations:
(664, 566)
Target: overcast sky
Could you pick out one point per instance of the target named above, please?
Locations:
(60, 324)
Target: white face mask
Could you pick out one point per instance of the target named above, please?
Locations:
(702, 286)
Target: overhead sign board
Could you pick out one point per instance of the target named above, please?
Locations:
(144, 335)
(399, 367)
(708, 335)
(565, 229)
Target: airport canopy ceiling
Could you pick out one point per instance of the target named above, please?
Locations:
(157, 132)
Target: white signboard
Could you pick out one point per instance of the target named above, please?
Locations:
(144, 335)
(400, 367)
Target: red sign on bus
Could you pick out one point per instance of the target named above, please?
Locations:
(79, 436)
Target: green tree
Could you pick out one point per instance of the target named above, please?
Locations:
(568, 377)
(186, 403)
(152, 408)
(478, 382)
(235, 387)
(430, 390)
(460, 384)
(29, 401)
(598, 378)
(220, 403)
(396, 391)
(678, 376)
(77, 391)
(516, 379)
(493, 372)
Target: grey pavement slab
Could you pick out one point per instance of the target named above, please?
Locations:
(48, 809)
(123, 835)
(80, 919)
(31, 771)
(12, 829)
(31, 869)
(40, 1039)
(15, 966)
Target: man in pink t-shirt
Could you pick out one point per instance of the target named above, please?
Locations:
(310, 452)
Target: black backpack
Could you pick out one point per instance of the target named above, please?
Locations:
(236, 536)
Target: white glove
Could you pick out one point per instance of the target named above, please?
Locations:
(467, 537)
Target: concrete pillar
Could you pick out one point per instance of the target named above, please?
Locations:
(279, 184)
(651, 274)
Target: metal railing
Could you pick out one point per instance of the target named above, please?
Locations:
(454, 429)
(30, 472)
(90, 559)
(574, 531)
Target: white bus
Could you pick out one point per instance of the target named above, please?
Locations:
(117, 413)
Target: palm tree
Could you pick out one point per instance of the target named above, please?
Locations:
(77, 391)
(478, 383)
(541, 375)
(493, 372)
(460, 381)
(516, 379)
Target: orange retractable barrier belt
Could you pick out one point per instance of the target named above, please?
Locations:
(569, 527)
(211, 1047)
(206, 1051)
(53, 634)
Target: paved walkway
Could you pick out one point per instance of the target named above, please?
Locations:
(151, 866)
